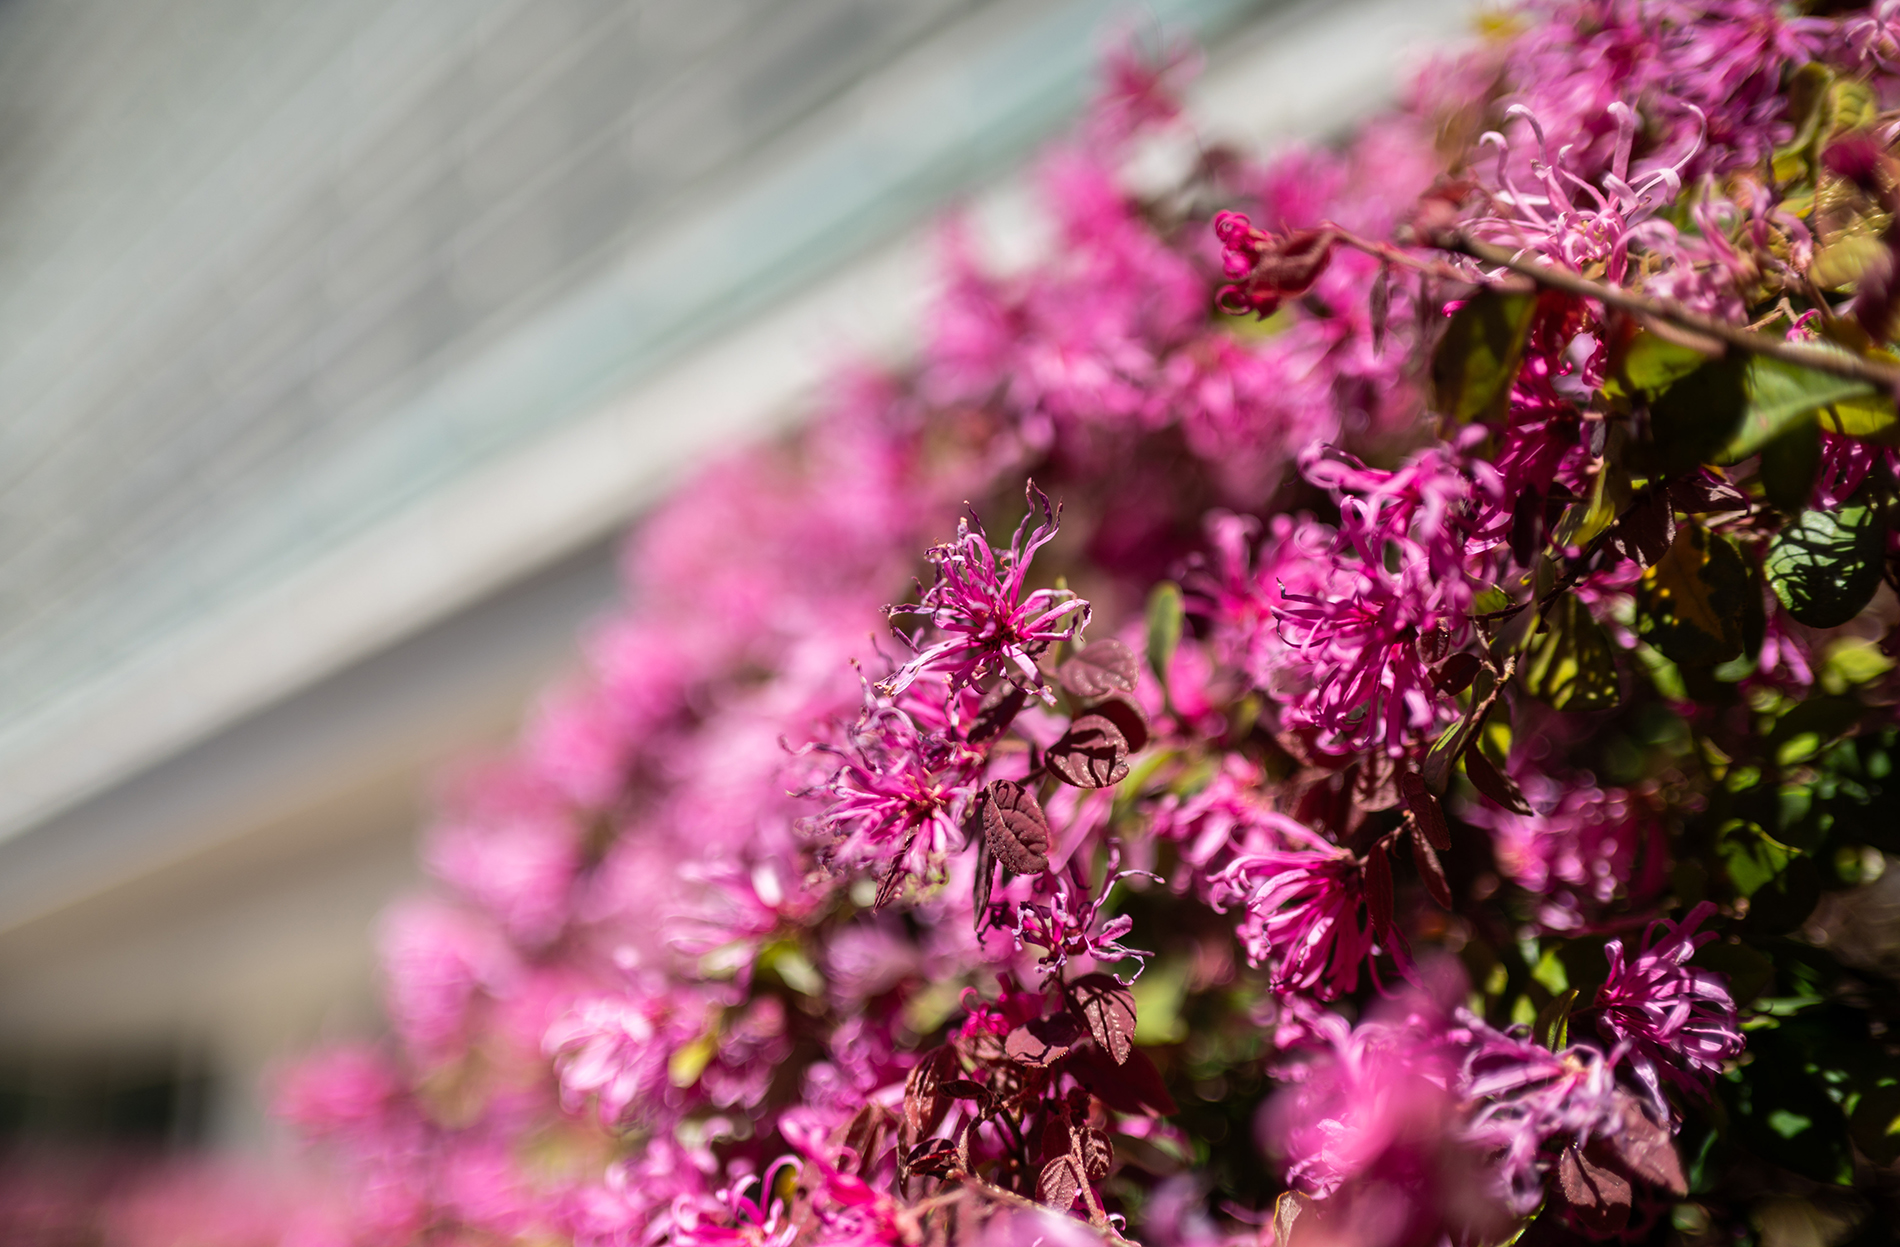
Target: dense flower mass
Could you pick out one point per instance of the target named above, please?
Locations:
(1419, 773)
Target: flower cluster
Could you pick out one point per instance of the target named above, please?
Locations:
(1460, 818)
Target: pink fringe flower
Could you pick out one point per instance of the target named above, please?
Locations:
(983, 623)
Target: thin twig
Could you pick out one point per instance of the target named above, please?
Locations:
(1838, 361)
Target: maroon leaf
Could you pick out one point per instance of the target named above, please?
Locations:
(864, 1134)
(1432, 645)
(1527, 527)
(1042, 1041)
(1015, 828)
(1286, 1211)
(1125, 713)
(1289, 265)
(1100, 668)
(1098, 1154)
(985, 879)
(1425, 809)
(934, 1158)
(1109, 1010)
(1057, 1139)
(1643, 1148)
(1133, 1087)
(1375, 782)
(924, 1101)
(1430, 871)
(1378, 305)
(1059, 1184)
(1706, 492)
(1093, 753)
(968, 1089)
(996, 712)
(1645, 532)
(1456, 673)
(1379, 891)
(1600, 1196)
(893, 877)
(1492, 782)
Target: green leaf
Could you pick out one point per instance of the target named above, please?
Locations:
(1780, 393)
(1650, 365)
(1165, 615)
(1551, 1026)
(1571, 665)
(1788, 464)
(1695, 418)
(1825, 567)
(1752, 858)
(1748, 971)
(1871, 417)
(1875, 1124)
(1478, 358)
(1691, 603)
(1781, 1110)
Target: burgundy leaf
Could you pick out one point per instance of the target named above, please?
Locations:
(985, 879)
(894, 877)
(1379, 891)
(1375, 782)
(1430, 871)
(1706, 492)
(1100, 668)
(1109, 1010)
(1378, 305)
(1286, 1211)
(1645, 532)
(1125, 713)
(1600, 1196)
(1527, 527)
(968, 1089)
(1290, 265)
(934, 1158)
(1057, 1138)
(1059, 1184)
(1425, 809)
(1456, 673)
(1042, 1041)
(1015, 828)
(1093, 753)
(1133, 1087)
(1492, 782)
(1433, 645)
(1098, 1154)
(996, 712)
(864, 1135)
(924, 1102)
(1644, 1149)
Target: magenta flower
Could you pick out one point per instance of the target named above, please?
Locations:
(1601, 227)
(980, 621)
(617, 1049)
(1524, 1096)
(1677, 1022)
(1373, 1129)
(1065, 921)
(1303, 905)
(901, 795)
(1403, 565)
(1588, 849)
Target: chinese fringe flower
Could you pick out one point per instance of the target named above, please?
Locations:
(1677, 1022)
(979, 621)
(1302, 905)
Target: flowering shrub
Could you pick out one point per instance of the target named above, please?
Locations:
(1409, 777)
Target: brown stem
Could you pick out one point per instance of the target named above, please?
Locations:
(1839, 362)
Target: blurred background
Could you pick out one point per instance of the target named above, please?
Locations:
(339, 340)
